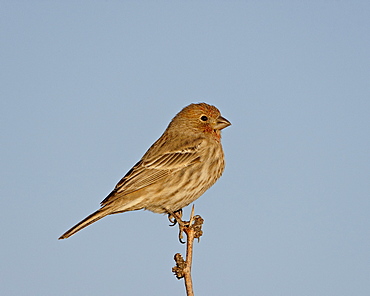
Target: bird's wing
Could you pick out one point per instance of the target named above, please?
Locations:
(149, 171)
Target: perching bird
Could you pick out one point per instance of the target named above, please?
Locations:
(176, 170)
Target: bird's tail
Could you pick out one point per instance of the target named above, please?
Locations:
(101, 213)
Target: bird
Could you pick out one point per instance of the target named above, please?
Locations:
(175, 171)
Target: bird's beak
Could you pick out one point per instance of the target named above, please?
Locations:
(221, 123)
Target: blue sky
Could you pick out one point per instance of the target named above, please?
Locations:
(88, 86)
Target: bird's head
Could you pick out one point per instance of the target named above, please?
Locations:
(200, 118)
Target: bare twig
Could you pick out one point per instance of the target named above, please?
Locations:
(192, 229)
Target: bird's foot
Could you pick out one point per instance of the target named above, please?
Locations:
(184, 226)
(174, 217)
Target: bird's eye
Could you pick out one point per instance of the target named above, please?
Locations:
(204, 118)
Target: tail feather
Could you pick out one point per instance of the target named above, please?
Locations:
(101, 213)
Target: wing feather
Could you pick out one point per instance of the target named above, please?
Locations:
(149, 171)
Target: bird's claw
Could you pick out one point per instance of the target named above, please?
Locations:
(183, 226)
(174, 217)
(195, 222)
(172, 220)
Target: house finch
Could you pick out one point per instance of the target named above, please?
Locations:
(178, 168)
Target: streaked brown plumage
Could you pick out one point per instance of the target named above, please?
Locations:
(178, 168)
